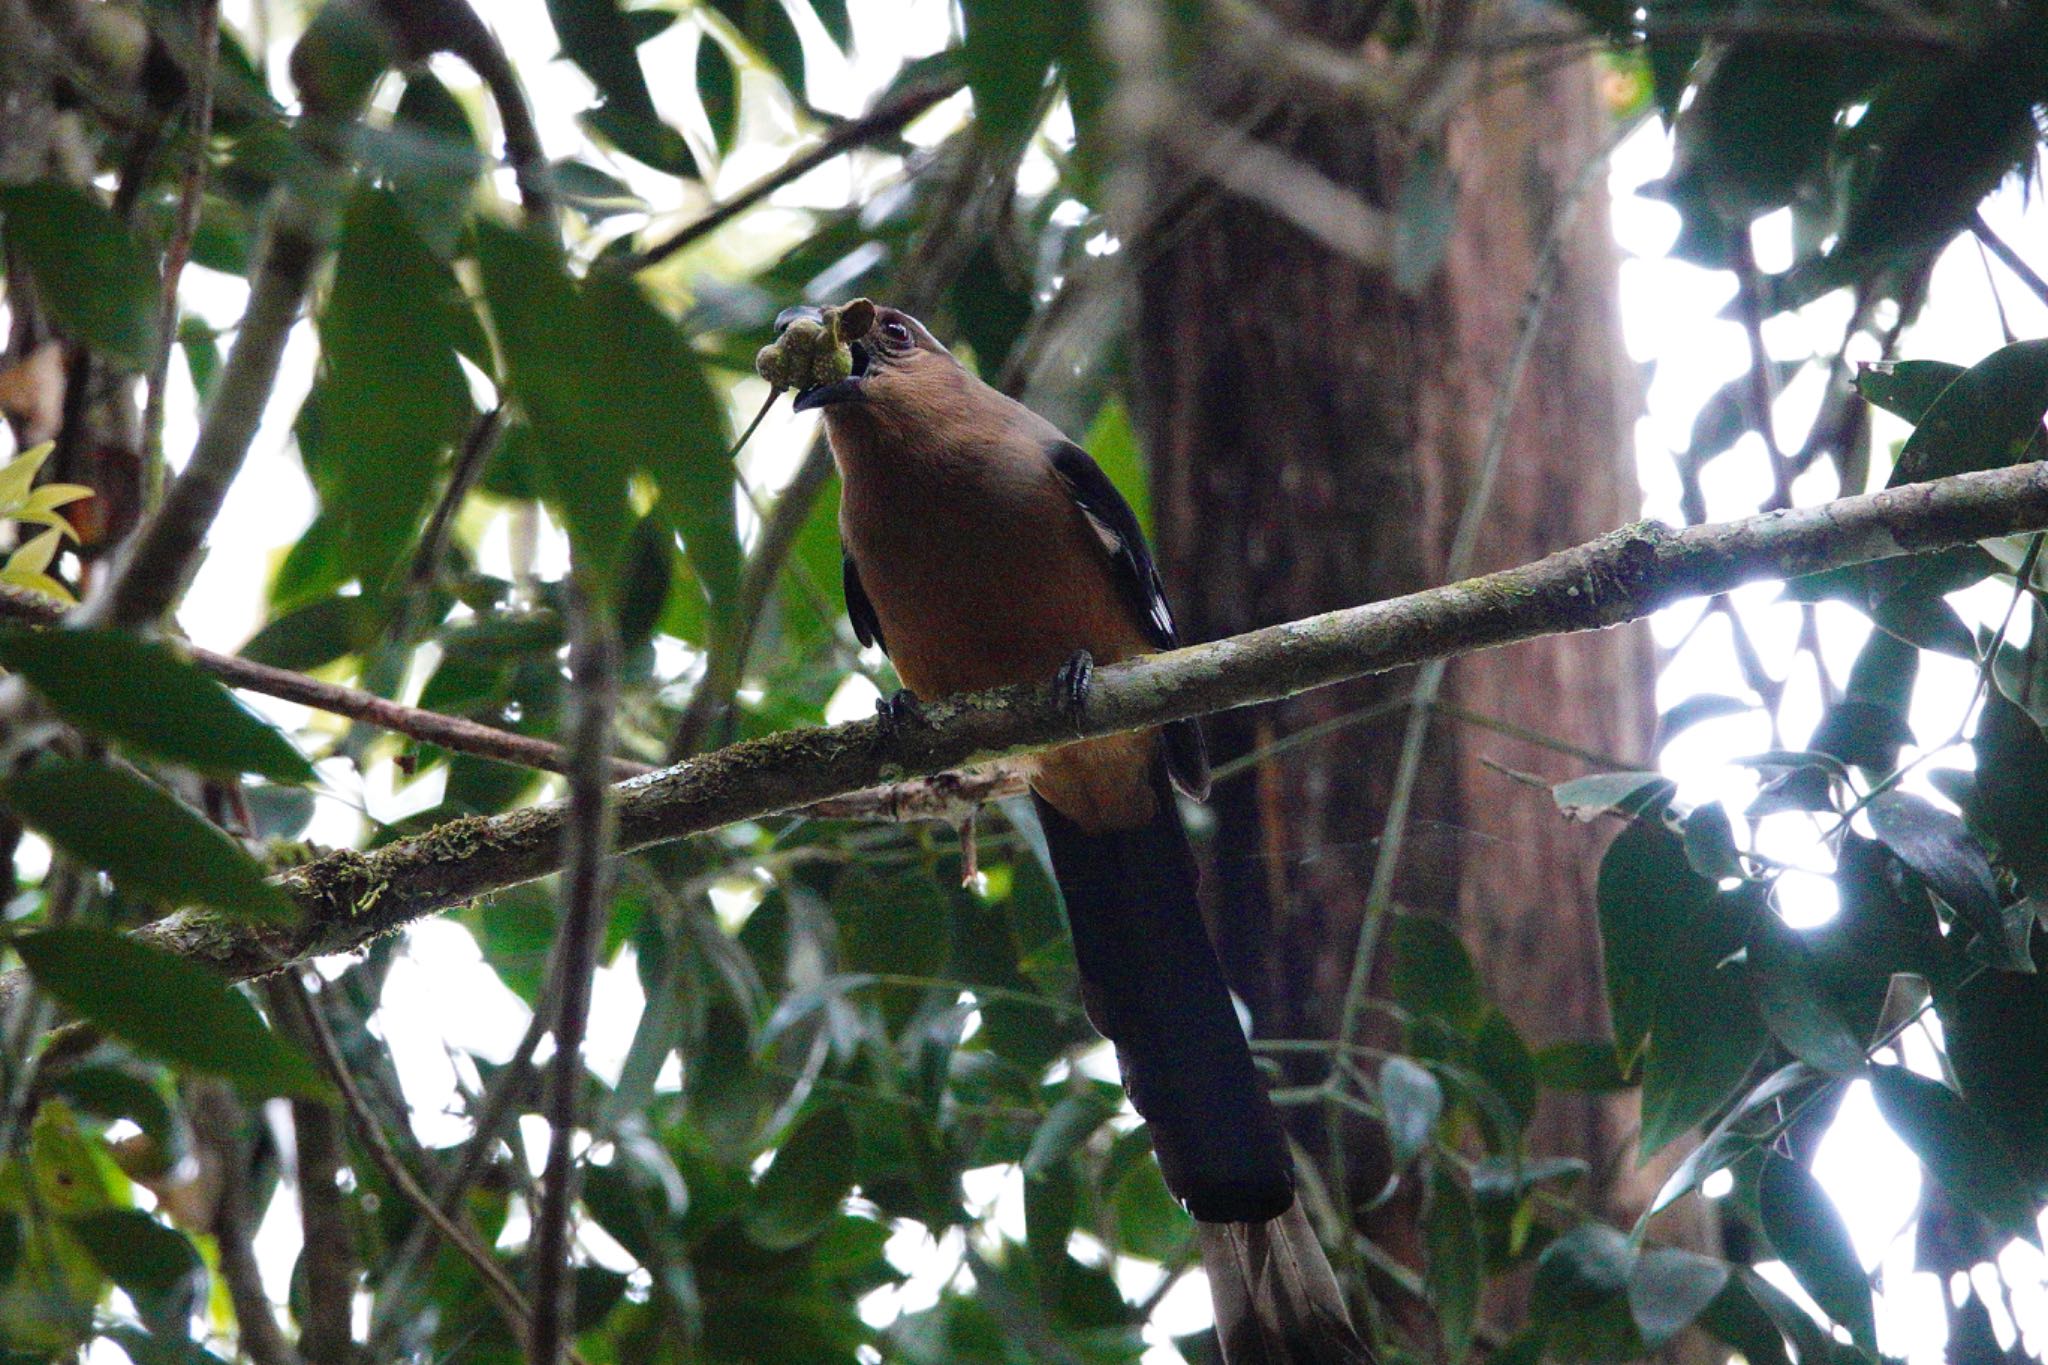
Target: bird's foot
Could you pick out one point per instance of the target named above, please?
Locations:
(1070, 685)
(900, 710)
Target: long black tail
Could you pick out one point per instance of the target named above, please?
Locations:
(1153, 986)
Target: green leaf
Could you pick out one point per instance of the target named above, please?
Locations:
(1808, 1337)
(1503, 1060)
(150, 842)
(435, 185)
(145, 1348)
(1150, 1222)
(1983, 420)
(2020, 672)
(767, 27)
(157, 1267)
(1433, 975)
(1069, 1124)
(393, 401)
(1694, 709)
(1958, 1149)
(1706, 1032)
(1726, 1142)
(1939, 849)
(1807, 1231)
(1580, 1295)
(142, 694)
(1802, 789)
(1709, 838)
(718, 90)
(596, 194)
(551, 342)
(891, 924)
(1647, 895)
(1993, 1028)
(1114, 445)
(596, 35)
(1927, 622)
(809, 1179)
(115, 1092)
(2011, 804)
(1451, 1237)
(648, 24)
(1906, 388)
(1581, 1065)
(1008, 49)
(1669, 1289)
(1497, 1178)
(838, 23)
(648, 141)
(314, 635)
(202, 357)
(1630, 794)
(1868, 725)
(1050, 1206)
(640, 1197)
(99, 281)
(1794, 999)
(1737, 1319)
(1412, 1102)
(47, 1297)
(163, 1005)
(671, 427)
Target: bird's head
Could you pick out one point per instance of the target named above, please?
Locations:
(891, 352)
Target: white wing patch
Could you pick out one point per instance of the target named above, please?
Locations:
(1112, 543)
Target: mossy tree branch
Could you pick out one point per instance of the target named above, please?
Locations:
(349, 898)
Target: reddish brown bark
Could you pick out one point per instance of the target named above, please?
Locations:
(1314, 437)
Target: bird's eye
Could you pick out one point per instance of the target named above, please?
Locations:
(896, 333)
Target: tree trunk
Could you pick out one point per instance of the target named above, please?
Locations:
(1314, 436)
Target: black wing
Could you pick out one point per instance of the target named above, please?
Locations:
(867, 627)
(1187, 757)
(1117, 527)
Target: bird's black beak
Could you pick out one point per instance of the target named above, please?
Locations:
(824, 395)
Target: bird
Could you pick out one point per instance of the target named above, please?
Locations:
(981, 548)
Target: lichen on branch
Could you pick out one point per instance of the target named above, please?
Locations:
(348, 898)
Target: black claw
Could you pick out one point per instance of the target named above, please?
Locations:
(899, 709)
(1072, 682)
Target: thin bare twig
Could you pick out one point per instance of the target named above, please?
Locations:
(1464, 548)
(429, 727)
(2012, 259)
(151, 571)
(311, 1025)
(491, 1119)
(217, 1123)
(326, 1333)
(1762, 391)
(475, 452)
(710, 705)
(191, 189)
(586, 907)
(884, 120)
